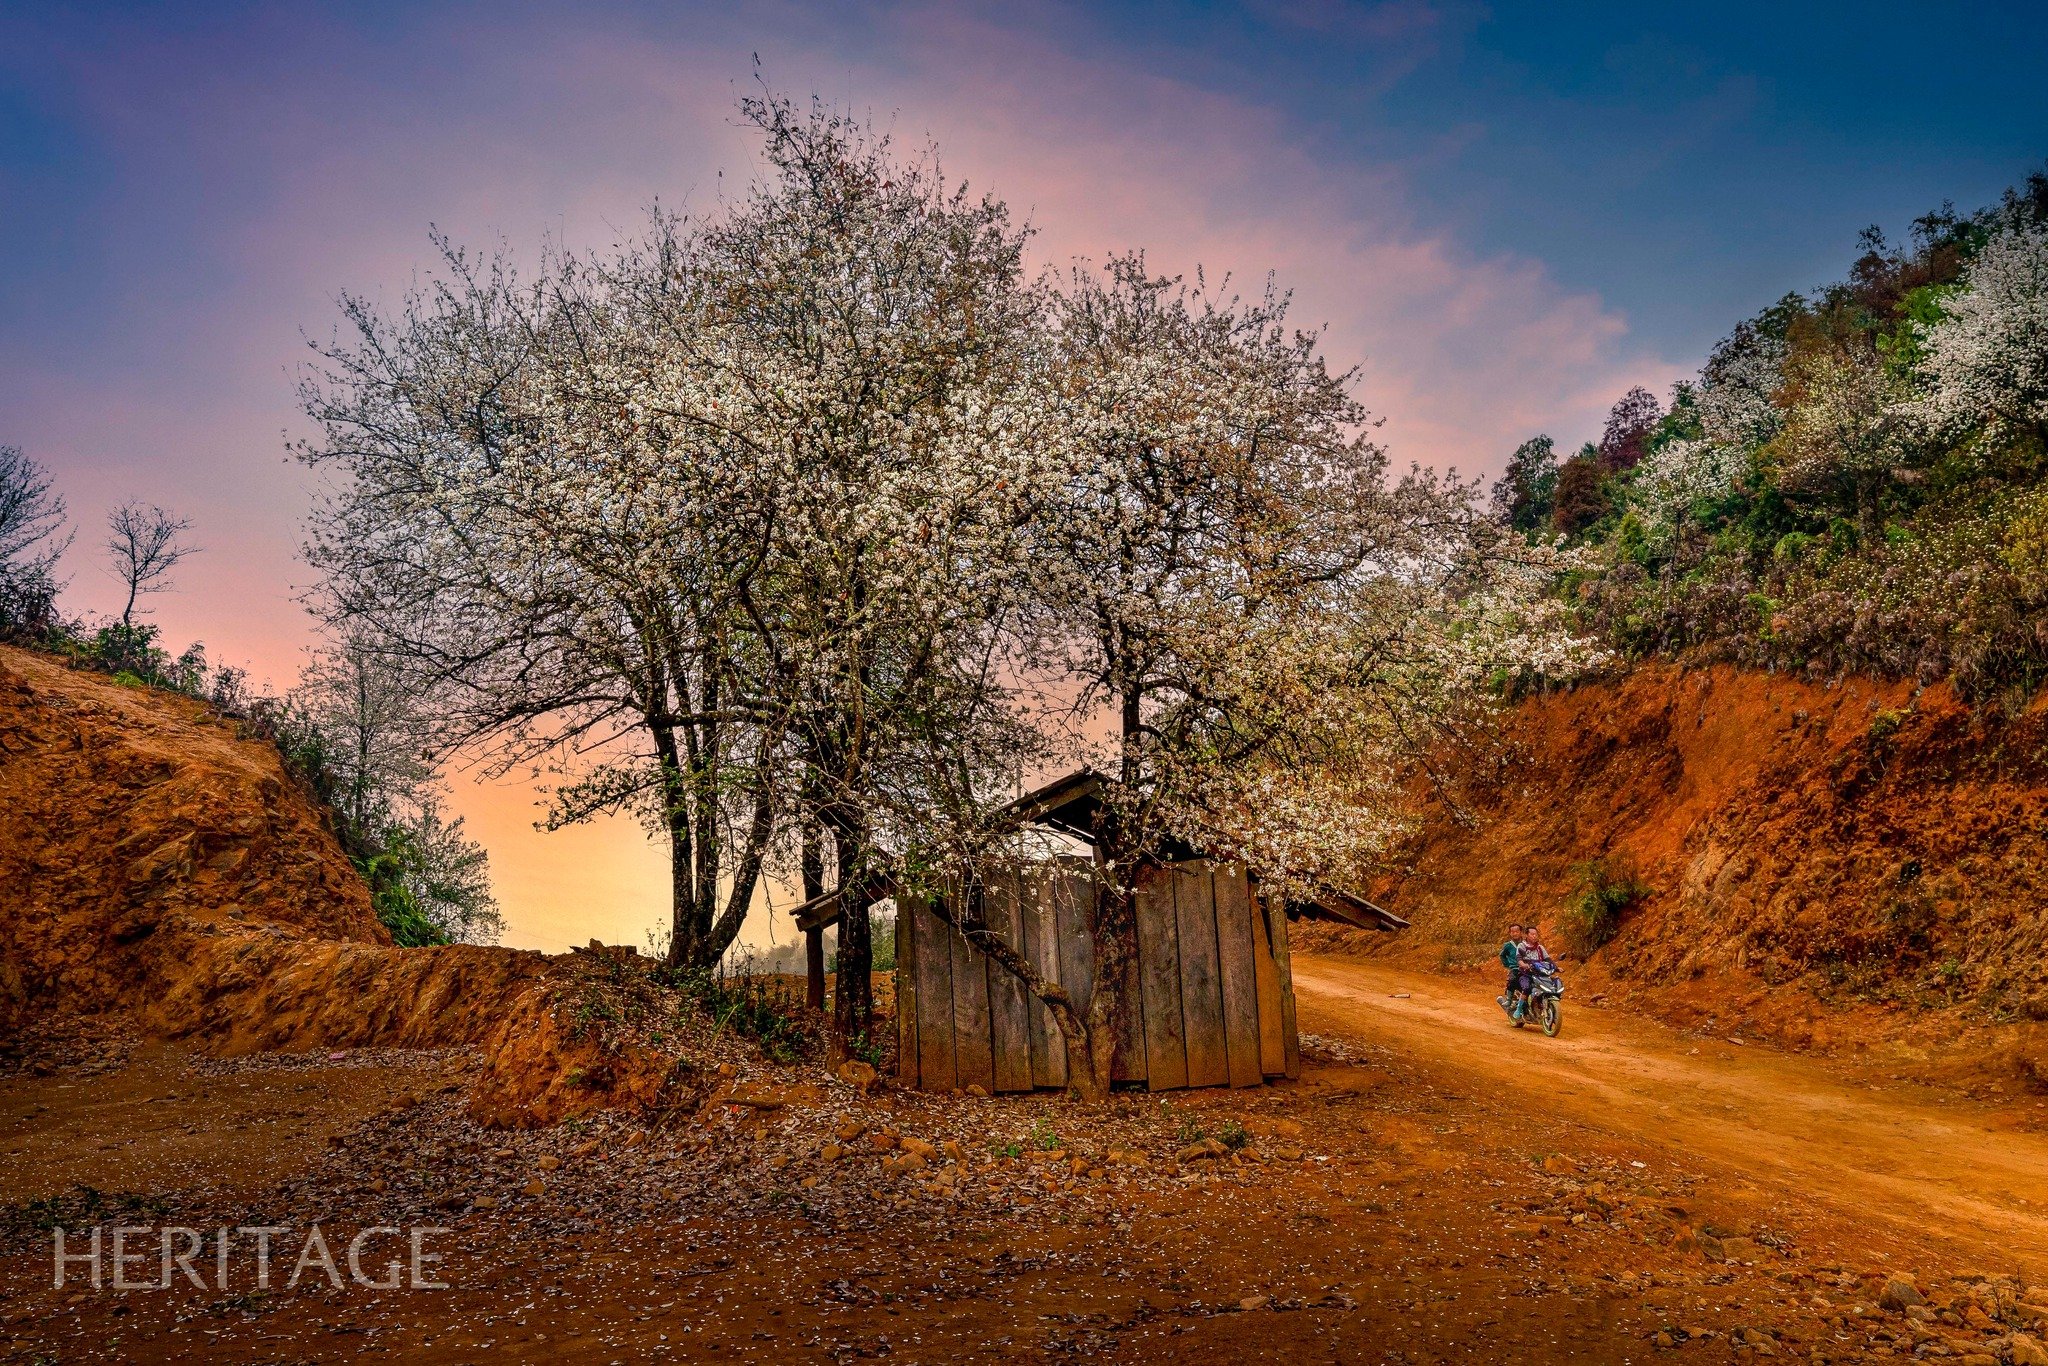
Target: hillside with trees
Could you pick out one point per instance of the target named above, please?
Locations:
(356, 734)
(1853, 483)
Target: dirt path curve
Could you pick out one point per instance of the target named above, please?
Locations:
(1862, 1146)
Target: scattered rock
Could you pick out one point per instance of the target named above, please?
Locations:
(857, 1074)
(1252, 1302)
(1900, 1294)
(1735, 1249)
(548, 1162)
(761, 1096)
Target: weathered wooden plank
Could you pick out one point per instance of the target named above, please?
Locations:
(1038, 923)
(906, 995)
(1272, 1052)
(935, 1070)
(1009, 1016)
(973, 1051)
(1166, 1057)
(1201, 976)
(1074, 915)
(1276, 926)
(1240, 985)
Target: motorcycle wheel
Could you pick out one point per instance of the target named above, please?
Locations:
(1550, 1020)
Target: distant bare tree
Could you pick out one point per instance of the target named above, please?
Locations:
(32, 537)
(145, 549)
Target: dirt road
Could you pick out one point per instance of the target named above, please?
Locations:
(1821, 1133)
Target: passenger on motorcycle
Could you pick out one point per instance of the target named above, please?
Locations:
(1510, 952)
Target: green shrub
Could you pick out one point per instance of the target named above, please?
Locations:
(1608, 890)
(761, 1008)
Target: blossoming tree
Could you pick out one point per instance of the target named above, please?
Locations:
(1235, 615)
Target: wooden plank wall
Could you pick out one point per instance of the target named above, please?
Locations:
(1009, 1017)
(1211, 997)
(1239, 980)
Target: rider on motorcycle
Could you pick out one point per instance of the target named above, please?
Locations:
(1530, 958)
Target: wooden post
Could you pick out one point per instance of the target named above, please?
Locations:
(814, 969)
(813, 862)
(906, 994)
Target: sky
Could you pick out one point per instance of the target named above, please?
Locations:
(1506, 215)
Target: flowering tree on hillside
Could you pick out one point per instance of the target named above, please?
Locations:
(1986, 359)
(1844, 433)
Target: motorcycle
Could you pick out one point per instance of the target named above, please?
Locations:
(1540, 1002)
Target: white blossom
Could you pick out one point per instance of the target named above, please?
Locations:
(1986, 360)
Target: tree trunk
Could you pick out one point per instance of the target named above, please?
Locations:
(814, 939)
(853, 998)
(1114, 938)
(1114, 935)
(689, 932)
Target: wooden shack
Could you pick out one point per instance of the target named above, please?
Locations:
(1211, 991)
(1212, 997)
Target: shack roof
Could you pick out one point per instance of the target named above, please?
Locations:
(1069, 805)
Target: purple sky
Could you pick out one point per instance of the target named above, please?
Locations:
(183, 192)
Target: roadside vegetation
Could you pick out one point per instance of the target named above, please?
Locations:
(1855, 482)
(352, 729)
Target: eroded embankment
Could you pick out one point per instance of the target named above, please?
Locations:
(1821, 861)
(163, 868)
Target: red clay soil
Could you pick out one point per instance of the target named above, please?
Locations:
(1825, 864)
(166, 869)
(1436, 1188)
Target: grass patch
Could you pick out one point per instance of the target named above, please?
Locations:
(1608, 890)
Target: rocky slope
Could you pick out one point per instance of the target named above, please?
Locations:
(1876, 847)
(166, 871)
